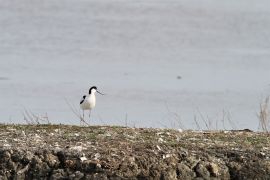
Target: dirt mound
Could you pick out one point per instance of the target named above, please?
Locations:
(72, 152)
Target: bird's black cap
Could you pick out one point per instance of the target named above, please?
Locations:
(93, 87)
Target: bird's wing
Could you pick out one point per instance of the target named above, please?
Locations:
(83, 98)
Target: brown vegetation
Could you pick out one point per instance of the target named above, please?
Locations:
(73, 152)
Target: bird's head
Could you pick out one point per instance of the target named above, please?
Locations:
(93, 90)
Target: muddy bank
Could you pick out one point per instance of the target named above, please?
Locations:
(73, 152)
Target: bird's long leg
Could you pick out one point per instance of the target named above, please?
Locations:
(83, 114)
(80, 118)
(89, 114)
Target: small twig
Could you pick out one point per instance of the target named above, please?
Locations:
(176, 115)
(229, 117)
(216, 124)
(72, 108)
(31, 118)
(100, 119)
(205, 122)
(264, 115)
(196, 122)
(126, 119)
(223, 118)
(162, 125)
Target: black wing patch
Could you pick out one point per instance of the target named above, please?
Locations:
(83, 98)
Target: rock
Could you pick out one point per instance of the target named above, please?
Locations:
(192, 162)
(62, 158)
(51, 160)
(23, 170)
(70, 163)
(184, 172)
(199, 178)
(234, 169)
(76, 176)
(169, 174)
(100, 176)
(11, 166)
(39, 169)
(202, 171)
(3, 177)
(17, 155)
(218, 168)
(154, 172)
(58, 174)
(214, 169)
(5, 156)
(27, 157)
(83, 158)
(128, 168)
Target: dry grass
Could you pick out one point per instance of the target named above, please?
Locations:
(77, 113)
(263, 115)
(201, 121)
(70, 135)
(31, 118)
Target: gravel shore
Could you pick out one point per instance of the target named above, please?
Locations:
(108, 152)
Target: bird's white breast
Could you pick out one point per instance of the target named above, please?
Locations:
(91, 99)
(89, 102)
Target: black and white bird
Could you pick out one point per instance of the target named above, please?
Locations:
(88, 102)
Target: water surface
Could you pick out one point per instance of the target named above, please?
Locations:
(159, 62)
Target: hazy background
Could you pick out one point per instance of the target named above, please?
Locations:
(158, 61)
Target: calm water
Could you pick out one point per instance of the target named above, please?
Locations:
(159, 62)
